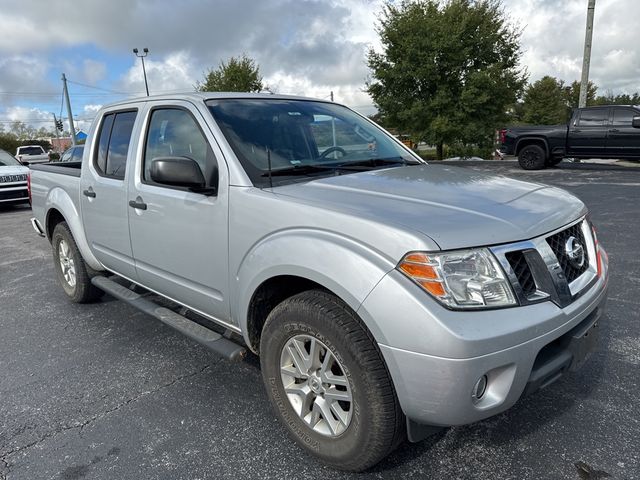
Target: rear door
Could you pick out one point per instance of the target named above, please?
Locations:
(180, 238)
(623, 140)
(587, 135)
(103, 191)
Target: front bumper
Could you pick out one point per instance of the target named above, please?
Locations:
(443, 354)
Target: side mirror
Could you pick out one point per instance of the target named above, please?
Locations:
(179, 172)
(635, 123)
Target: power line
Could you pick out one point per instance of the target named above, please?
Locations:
(96, 88)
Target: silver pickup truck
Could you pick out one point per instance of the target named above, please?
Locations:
(386, 297)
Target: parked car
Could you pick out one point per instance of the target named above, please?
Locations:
(593, 132)
(386, 297)
(13, 180)
(73, 154)
(31, 154)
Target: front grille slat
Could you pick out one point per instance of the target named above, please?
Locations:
(22, 177)
(522, 271)
(557, 243)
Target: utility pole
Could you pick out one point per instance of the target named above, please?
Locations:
(586, 61)
(71, 125)
(332, 95)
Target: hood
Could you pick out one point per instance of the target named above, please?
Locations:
(13, 170)
(456, 207)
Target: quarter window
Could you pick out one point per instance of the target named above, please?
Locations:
(113, 144)
(173, 132)
(593, 117)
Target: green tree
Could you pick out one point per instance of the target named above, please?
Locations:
(448, 70)
(572, 94)
(545, 102)
(236, 75)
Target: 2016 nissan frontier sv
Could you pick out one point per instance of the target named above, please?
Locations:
(385, 297)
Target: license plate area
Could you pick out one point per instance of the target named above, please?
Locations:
(583, 341)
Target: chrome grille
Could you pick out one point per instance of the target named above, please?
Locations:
(13, 178)
(558, 243)
(540, 269)
(522, 272)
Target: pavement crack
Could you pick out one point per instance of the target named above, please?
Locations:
(140, 395)
(5, 465)
(4, 470)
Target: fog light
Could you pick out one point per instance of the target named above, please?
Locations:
(479, 389)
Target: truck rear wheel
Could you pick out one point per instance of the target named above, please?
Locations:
(532, 157)
(328, 383)
(70, 267)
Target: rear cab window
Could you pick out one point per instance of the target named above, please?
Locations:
(31, 151)
(114, 137)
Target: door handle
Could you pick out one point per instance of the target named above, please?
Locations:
(614, 130)
(89, 193)
(576, 130)
(139, 205)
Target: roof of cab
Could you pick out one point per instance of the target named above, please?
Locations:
(203, 96)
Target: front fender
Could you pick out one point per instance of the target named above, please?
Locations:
(342, 265)
(58, 199)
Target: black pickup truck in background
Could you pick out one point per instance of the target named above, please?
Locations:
(611, 131)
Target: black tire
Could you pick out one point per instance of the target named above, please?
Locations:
(532, 157)
(82, 290)
(377, 424)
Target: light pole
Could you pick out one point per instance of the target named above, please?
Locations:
(145, 51)
(586, 60)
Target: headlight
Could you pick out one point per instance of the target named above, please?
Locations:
(460, 279)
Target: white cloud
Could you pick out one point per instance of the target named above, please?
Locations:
(175, 72)
(307, 47)
(93, 71)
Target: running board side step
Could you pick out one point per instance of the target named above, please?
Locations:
(210, 339)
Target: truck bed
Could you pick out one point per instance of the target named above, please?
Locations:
(50, 179)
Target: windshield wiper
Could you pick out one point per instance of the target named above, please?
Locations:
(298, 170)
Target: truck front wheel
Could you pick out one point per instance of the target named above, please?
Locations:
(328, 383)
(532, 157)
(70, 267)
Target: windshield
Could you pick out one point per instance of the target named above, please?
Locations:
(7, 160)
(302, 139)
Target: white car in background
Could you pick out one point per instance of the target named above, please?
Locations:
(31, 154)
(13, 180)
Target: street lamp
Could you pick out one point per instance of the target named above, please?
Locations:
(141, 56)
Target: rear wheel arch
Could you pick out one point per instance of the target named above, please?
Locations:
(54, 217)
(525, 142)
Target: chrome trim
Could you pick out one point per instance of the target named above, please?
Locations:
(550, 280)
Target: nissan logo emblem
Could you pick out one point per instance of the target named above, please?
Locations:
(575, 252)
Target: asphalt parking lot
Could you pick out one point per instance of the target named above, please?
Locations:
(102, 391)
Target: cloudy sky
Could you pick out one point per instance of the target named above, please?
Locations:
(307, 47)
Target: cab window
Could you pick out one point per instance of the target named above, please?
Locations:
(113, 144)
(173, 132)
(595, 117)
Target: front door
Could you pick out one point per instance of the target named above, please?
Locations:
(588, 133)
(180, 238)
(624, 140)
(103, 192)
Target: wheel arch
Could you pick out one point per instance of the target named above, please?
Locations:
(282, 266)
(60, 208)
(526, 141)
